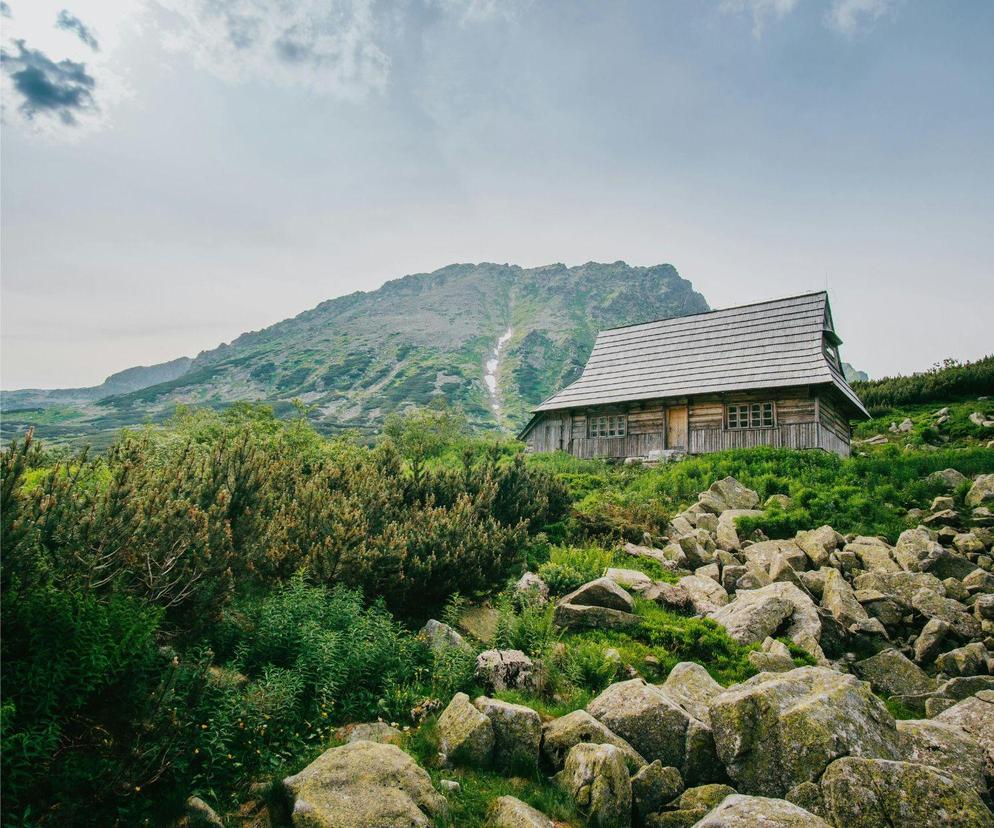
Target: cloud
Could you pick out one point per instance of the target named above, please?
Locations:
(63, 90)
(328, 46)
(5, 9)
(847, 16)
(70, 23)
(761, 11)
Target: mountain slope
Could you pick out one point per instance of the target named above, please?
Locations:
(356, 358)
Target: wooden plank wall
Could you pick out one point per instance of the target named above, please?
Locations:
(803, 421)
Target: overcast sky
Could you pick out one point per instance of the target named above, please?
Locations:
(177, 172)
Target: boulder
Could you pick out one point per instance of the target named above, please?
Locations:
(874, 554)
(672, 596)
(517, 731)
(819, 544)
(975, 716)
(752, 612)
(969, 660)
(198, 814)
(369, 732)
(738, 811)
(727, 494)
(727, 536)
(914, 548)
(509, 812)
(901, 586)
(499, 670)
(866, 793)
(441, 636)
(560, 735)
(950, 479)
(363, 783)
(774, 657)
(967, 543)
(596, 777)
(630, 579)
(840, 599)
(933, 605)
(930, 640)
(943, 746)
(530, 587)
(466, 735)
(777, 730)
(602, 592)
(704, 797)
(765, 553)
(704, 594)
(981, 492)
(692, 687)
(658, 728)
(753, 615)
(575, 617)
(893, 674)
(654, 786)
(877, 605)
(660, 556)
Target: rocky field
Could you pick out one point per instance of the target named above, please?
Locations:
(872, 702)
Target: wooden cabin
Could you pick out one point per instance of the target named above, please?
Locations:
(764, 374)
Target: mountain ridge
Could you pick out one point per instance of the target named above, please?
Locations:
(355, 358)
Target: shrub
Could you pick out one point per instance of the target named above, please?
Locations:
(570, 567)
(950, 380)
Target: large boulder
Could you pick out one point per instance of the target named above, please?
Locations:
(981, 492)
(597, 778)
(727, 494)
(766, 553)
(738, 811)
(705, 595)
(915, 547)
(465, 734)
(901, 586)
(441, 636)
(840, 600)
(943, 746)
(633, 580)
(602, 592)
(931, 604)
(363, 783)
(499, 670)
(560, 735)
(577, 617)
(658, 728)
(975, 716)
(510, 812)
(870, 793)
(692, 687)
(754, 615)
(777, 730)
(727, 536)
(874, 554)
(819, 544)
(894, 674)
(517, 731)
(654, 786)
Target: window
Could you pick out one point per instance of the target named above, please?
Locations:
(612, 425)
(751, 415)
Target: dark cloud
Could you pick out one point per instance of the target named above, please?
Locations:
(70, 23)
(62, 89)
(5, 10)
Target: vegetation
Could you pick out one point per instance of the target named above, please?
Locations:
(186, 612)
(197, 609)
(945, 382)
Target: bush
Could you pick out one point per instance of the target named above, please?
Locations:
(945, 382)
(570, 567)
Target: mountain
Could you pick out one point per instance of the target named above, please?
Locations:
(852, 375)
(495, 339)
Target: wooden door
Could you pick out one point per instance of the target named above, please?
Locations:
(676, 428)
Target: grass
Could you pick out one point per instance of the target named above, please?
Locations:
(478, 788)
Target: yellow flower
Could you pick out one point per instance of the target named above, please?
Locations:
(138, 788)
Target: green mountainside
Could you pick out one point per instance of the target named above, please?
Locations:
(355, 359)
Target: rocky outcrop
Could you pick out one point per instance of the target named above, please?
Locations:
(498, 670)
(945, 747)
(560, 735)
(363, 783)
(738, 811)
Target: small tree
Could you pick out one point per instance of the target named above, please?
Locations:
(423, 433)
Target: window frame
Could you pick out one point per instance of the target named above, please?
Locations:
(750, 415)
(611, 426)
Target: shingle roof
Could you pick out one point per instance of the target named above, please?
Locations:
(765, 345)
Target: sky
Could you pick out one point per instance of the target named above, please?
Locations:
(176, 172)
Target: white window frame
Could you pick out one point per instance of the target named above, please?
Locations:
(739, 416)
(607, 425)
